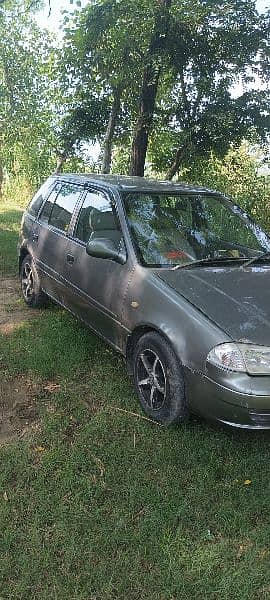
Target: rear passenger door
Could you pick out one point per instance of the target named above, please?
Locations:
(97, 286)
(52, 237)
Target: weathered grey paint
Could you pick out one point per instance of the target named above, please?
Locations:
(238, 300)
(194, 309)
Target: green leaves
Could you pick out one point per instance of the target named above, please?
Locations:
(207, 47)
(25, 109)
(191, 52)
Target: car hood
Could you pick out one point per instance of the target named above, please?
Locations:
(237, 300)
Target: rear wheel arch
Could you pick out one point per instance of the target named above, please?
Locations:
(30, 283)
(23, 253)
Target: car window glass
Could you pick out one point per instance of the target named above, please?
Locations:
(170, 229)
(225, 225)
(97, 219)
(47, 208)
(38, 199)
(64, 206)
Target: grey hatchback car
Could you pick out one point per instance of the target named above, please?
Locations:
(176, 278)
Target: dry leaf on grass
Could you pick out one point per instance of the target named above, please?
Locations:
(52, 387)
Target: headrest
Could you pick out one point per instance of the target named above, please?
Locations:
(102, 220)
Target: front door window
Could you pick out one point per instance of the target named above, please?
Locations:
(97, 219)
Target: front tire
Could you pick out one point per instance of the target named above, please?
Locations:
(159, 380)
(30, 284)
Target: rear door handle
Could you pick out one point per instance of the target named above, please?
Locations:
(70, 259)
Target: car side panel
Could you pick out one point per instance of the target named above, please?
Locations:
(149, 302)
(26, 242)
(95, 291)
(50, 254)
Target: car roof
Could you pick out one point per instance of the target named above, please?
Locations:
(125, 183)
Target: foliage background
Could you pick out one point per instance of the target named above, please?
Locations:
(57, 95)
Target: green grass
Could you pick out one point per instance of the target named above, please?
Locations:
(102, 505)
(10, 217)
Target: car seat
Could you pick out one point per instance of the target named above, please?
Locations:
(104, 225)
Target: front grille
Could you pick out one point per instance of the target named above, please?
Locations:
(260, 418)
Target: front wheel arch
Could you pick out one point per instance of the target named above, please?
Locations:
(134, 337)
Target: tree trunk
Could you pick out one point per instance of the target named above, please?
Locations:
(176, 164)
(144, 122)
(61, 159)
(108, 140)
(149, 90)
(1, 179)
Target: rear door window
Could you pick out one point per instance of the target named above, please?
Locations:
(64, 206)
(59, 207)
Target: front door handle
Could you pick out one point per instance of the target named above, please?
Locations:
(70, 259)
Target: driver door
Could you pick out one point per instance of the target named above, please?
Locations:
(97, 286)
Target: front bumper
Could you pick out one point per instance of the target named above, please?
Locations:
(236, 407)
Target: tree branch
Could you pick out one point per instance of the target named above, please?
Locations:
(184, 93)
(176, 164)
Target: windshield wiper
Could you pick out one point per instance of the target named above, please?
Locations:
(254, 259)
(209, 261)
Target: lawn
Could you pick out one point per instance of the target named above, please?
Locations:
(99, 504)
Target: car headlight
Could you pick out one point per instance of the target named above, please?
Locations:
(246, 358)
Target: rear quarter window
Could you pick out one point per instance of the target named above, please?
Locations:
(38, 199)
(48, 205)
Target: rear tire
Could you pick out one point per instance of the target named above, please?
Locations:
(159, 380)
(30, 284)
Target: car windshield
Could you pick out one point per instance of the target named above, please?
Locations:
(178, 229)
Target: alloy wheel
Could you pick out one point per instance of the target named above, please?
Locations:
(151, 379)
(27, 281)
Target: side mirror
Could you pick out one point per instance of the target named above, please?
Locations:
(105, 248)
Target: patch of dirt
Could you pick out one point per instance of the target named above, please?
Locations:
(18, 408)
(13, 311)
(19, 396)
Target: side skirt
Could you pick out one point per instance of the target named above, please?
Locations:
(117, 348)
